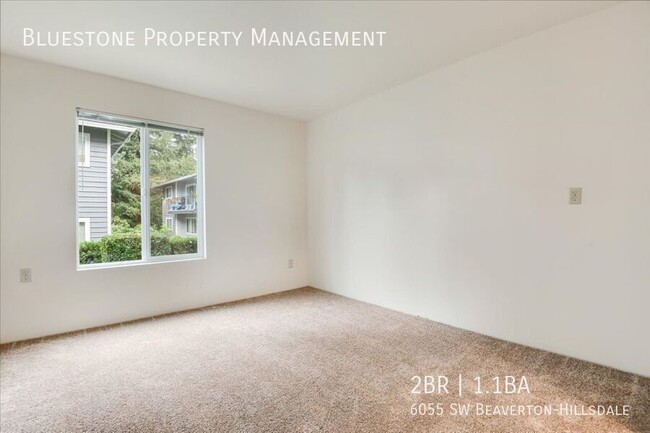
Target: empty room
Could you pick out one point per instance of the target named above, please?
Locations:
(325, 216)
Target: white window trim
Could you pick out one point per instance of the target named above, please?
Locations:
(86, 222)
(170, 188)
(172, 224)
(196, 227)
(86, 150)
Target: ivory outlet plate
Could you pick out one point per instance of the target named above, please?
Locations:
(575, 195)
(26, 275)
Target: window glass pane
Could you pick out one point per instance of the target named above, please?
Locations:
(108, 193)
(173, 195)
(191, 226)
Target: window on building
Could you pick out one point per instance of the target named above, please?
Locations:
(128, 190)
(84, 229)
(190, 225)
(190, 193)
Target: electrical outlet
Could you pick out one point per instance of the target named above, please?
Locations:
(26, 275)
(575, 195)
(290, 263)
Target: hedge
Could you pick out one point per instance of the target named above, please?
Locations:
(90, 252)
(183, 245)
(120, 247)
(160, 245)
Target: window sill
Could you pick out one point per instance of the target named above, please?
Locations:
(152, 261)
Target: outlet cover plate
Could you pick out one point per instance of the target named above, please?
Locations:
(26, 275)
(575, 195)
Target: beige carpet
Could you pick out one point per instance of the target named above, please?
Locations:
(299, 361)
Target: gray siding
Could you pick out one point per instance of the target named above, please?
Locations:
(93, 194)
(180, 186)
(181, 222)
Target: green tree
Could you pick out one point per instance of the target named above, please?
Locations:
(125, 182)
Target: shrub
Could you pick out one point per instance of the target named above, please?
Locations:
(160, 245)
(121, 226)
(125, 246)
(183, 245)
(90, 252)
(121, 247)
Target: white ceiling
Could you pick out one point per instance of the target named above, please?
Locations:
(301, 82)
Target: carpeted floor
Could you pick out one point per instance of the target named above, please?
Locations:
(298, 361)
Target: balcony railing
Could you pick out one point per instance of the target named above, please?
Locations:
(183, 204)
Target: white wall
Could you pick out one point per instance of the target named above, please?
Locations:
(447, 196)
(255, 203)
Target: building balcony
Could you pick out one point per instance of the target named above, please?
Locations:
(180, 205)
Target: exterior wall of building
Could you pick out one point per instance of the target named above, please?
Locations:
(93, 193)
(181, 189)
(181, 225)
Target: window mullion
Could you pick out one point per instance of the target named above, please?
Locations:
(200, 193)
(144, 194)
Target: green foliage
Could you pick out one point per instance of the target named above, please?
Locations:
(170, 155)
(125, 245)
(183, 245)
(160, 245)
(125, 182)
(121, 247)
(90, 252)
(121, 226)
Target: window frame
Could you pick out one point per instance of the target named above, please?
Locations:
(170, 226)
(146, 257)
